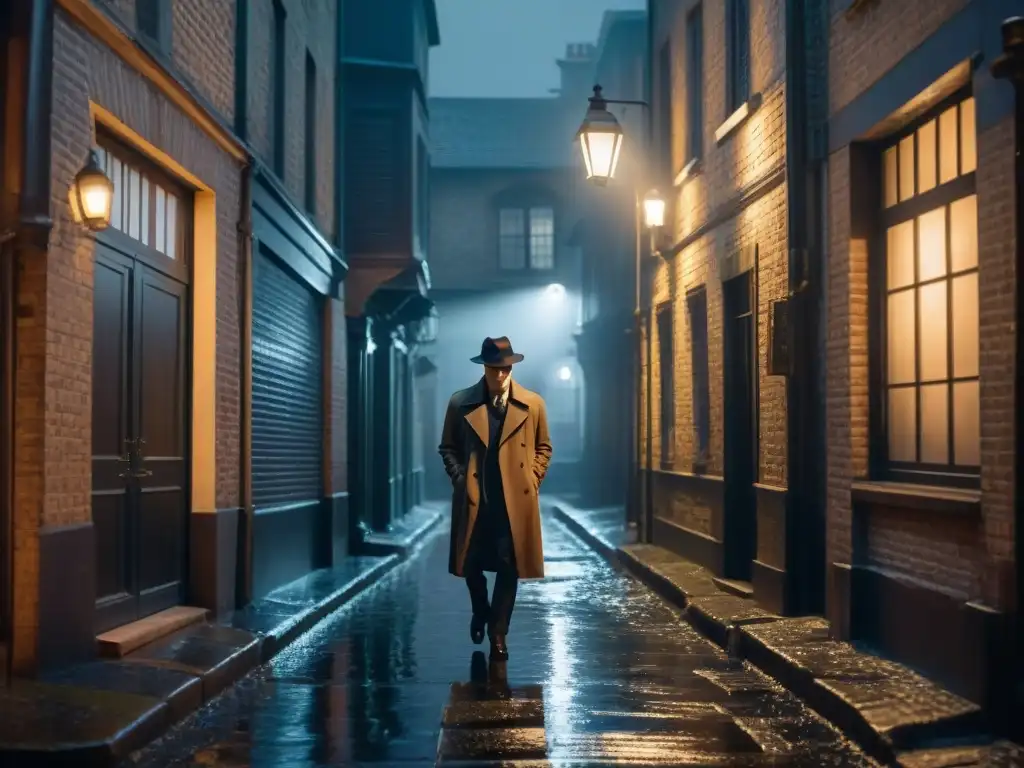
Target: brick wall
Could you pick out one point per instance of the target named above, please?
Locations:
(310, 25)
(54, 387)
(966, 560)
(752, 153)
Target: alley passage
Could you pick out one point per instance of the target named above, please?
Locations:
(601, 672)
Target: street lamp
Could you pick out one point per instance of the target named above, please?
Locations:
(601, 137)
(91, 195)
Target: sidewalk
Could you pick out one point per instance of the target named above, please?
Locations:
(896, 715)
(97, 713)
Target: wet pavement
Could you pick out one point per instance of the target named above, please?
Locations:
(601, 672)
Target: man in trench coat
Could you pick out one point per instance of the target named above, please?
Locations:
(496, 449)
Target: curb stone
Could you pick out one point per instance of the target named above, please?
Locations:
(852, 697)
(104, 723)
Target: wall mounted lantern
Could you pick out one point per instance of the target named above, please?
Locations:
(600, 138)
(91, 195)
(654, 210)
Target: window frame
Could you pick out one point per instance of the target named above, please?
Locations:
(700, 378)
(941, 196)
(279, 85)
(665, 320)
(527, 237)
(664, 109)
(737, 55)
(164, 18)
(312, 106)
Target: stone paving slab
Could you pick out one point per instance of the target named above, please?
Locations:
(96, 713)
(407, 533)
(890, 710)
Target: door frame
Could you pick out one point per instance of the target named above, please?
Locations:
(180, 270)
(735, 563)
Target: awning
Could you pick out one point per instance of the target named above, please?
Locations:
(402, 299)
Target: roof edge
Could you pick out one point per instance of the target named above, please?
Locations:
(433, 28)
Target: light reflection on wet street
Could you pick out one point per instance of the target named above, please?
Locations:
(601, 672)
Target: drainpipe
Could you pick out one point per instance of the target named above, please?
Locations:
(34, 209)
(246, 241)
(648, 508)
(8, 295)
(803, 563)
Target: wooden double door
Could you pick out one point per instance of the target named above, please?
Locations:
(139, 434)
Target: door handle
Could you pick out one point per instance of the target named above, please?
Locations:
(139, 470)
(127, 458)
(133, 459)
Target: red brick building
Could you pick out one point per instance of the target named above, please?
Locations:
(921, 337)
(731, 423)
(135, 358)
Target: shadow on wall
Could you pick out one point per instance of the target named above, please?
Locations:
(541, 323)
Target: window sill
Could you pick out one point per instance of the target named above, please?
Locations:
(961, 502)
(737, 118)
(691, 169)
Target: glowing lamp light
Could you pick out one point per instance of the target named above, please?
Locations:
(91, 195)
(565, 373)
(600, 138)
(555, 290)
(654, 209)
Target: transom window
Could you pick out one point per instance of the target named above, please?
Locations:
(526, 238)
(145, 207)
(931, 339)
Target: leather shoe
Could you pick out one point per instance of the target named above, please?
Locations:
(499, 651)
(477, 625)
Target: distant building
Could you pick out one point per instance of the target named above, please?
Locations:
(506, 195)
(386, 232)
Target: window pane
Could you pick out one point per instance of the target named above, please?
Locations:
(947, 145)
(966, 418)
(968, 139)
(899, 255)
(172, 226)
(926, 157)
(134, 201)
(931, 244)
(963, 224)
(161, 221)
(933, 348)
(146, 203)
(900, 333)
(935, 424)
(542, 238)
(511, 221)
(116, 212)
(907, 168)
(902, 424)
(965, 325)
(890, 174)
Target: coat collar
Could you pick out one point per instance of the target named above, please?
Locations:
(519, 400)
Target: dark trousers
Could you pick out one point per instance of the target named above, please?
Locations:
(497, 611)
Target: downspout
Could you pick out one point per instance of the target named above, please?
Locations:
(648, 508)
(34, 210)
(805, 565)
(244, 565)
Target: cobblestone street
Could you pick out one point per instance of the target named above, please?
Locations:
(601, 672)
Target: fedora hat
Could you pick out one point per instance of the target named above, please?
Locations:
(496, 353)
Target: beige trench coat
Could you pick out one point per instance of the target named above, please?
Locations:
(523, 455)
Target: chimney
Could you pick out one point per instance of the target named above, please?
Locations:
(577, 70)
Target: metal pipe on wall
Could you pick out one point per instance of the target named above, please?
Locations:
(246, 239)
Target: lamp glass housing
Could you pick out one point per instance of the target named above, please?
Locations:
(600, 138)
(654, 210)
(91, 196)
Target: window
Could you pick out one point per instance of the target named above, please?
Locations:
(146, 207)
(526, 238)
(697, 308)
(666, 358)
(737, 47)
(665, 107)
(310, 150)
(153, 21)
(695, 83)
(930, 300)
(278, 82)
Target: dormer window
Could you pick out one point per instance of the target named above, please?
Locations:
(526, 238)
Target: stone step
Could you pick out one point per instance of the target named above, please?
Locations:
(120, 641)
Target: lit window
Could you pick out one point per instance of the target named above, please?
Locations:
(144, 207)
(526, 238)
(931, 342)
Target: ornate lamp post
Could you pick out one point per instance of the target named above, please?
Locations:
(601, 138)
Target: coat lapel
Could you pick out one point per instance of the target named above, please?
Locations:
(516, 414)
(477, 413)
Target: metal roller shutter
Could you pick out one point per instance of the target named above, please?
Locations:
(287, 375)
